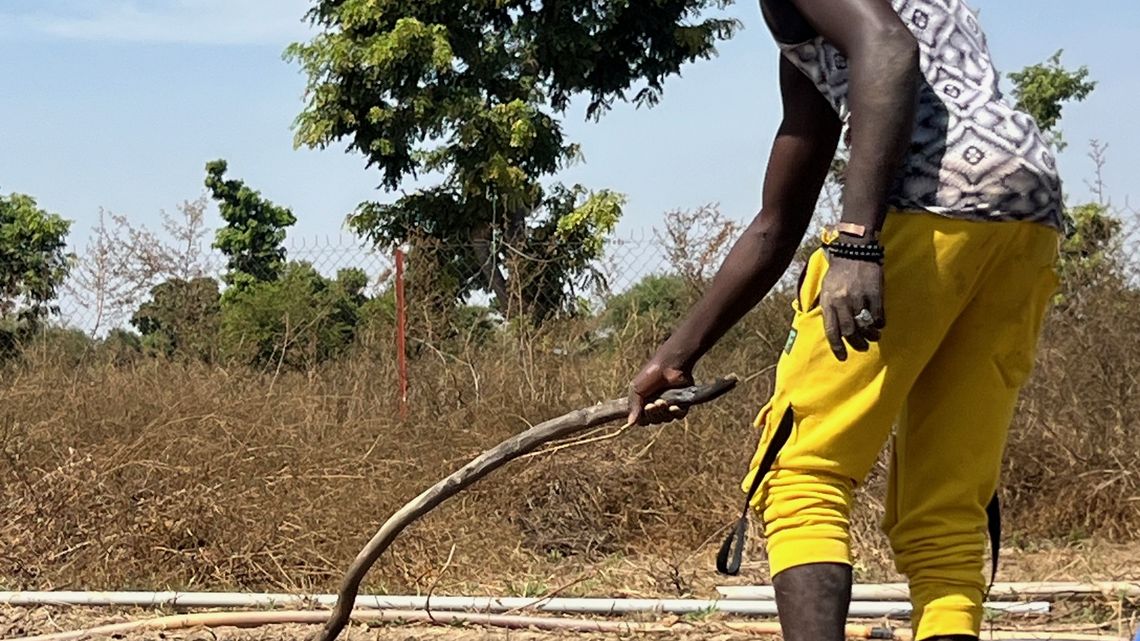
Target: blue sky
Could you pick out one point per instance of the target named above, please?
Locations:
(120, 103)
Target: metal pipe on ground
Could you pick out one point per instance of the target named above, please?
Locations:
(254, 619)
(1039, 591)
(561, 605)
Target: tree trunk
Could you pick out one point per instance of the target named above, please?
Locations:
(488, 265)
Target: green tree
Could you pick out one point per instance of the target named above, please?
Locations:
(122, 346)
(558, 254)
(254, 230)
(1095, 241)
(472, 93)
(659, 299)
(181, 318)
(1043, 89)
(297, 321)
(33, 265)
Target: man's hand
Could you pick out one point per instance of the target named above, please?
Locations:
(852, 304)
(655, 377)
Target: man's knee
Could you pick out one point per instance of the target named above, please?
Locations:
(947, 586)
(942, 552)
(806, 517)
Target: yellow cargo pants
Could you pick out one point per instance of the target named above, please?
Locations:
(964, 303)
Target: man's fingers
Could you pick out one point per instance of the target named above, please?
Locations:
(870, 318)
(636, 408)
(661, 412)
(858, 341)
(657, 412)
(831, 329)
(643, 413)
(849, 328)
(846, 319)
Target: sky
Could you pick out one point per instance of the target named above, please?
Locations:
(119, 104)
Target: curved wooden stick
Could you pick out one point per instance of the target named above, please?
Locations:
(483, 465)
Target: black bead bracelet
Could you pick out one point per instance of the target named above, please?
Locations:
(870, 253)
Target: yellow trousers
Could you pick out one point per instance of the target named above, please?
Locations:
(964, 302)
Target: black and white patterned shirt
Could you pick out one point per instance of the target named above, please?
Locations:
(971, 155)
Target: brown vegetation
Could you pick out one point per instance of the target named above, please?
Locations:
(124, 470)
(158, 473)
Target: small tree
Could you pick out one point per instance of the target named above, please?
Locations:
(696, 242)
(1092, 252)
(1043, 89)
(297, 321)
(181, 318)
(33, 265)
(658, 300)
(254, 230)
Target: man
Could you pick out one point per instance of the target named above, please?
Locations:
(924, 318)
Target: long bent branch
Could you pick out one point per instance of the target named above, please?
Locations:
(483, 465)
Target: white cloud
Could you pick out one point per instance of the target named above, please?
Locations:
(276, 22)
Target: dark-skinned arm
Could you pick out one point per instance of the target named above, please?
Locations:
(882, 96)
(884, 79)
(883, 61)
(801, 156)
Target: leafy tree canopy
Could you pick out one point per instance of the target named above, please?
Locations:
(33, 258)
(471, 93)
(299, 320)
(254, 230)
(181, 318)
(1043, 89)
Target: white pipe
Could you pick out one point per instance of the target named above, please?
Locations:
(899, 591)
(859, 609)
(254, 619)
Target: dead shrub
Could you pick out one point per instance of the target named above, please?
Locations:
(581, 506)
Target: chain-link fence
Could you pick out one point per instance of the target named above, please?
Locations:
(169, 289)
(105, 292)
(101, 294)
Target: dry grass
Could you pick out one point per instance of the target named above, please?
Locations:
(154, 474)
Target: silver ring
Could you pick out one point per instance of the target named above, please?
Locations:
(864, 318)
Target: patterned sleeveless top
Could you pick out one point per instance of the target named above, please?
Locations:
(971, 155)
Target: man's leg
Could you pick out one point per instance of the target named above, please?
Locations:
(844, 411)
(813, 601)
(950, 441)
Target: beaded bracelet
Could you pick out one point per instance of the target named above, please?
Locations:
(870, 253)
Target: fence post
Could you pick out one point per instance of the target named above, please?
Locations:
(401, 339)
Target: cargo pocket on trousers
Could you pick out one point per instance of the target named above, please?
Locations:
(768, 423)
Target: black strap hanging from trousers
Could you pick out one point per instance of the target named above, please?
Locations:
(731, 555)
(993, 526)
